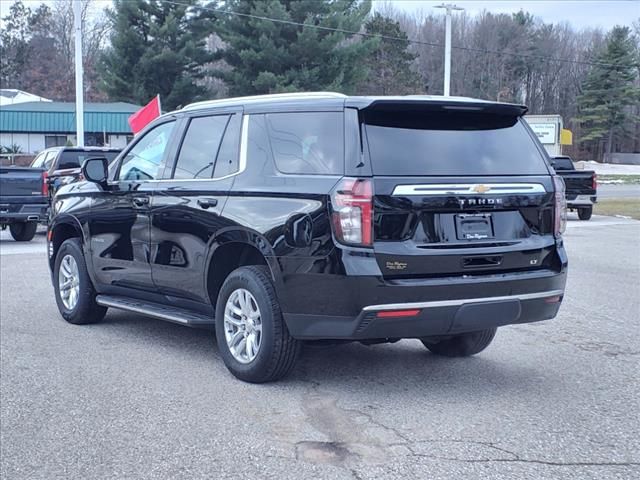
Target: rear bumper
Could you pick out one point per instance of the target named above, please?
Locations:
(12, 213)
(580, 201)
(445, 305)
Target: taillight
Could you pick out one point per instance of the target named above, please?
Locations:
(594, 182)
(560, 210)
(45, 184)
(352, 211)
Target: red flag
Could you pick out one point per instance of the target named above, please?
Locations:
(145, 115)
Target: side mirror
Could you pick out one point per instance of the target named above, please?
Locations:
(96, 170)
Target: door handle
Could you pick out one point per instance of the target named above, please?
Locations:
(141, 201)
(207, 202)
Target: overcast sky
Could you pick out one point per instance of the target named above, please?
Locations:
(579, 13)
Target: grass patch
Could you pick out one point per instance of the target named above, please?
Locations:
(620, 179)
(629, 207)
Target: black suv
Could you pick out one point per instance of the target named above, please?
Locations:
(297, 217)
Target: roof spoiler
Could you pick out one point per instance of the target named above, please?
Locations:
(409, 104)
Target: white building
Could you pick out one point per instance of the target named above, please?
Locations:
(10, 96)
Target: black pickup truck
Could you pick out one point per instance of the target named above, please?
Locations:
(63, 163)
(581, 186)
(24, 200)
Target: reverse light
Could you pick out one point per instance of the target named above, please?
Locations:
(352, 211)
(560, 210)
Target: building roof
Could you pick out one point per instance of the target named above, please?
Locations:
(9, 96)
(60, 117)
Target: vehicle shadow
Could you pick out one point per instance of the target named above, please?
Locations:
(394, 368)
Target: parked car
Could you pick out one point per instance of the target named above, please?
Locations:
(63, 163)
(580, 186)
(287, 218)
(24, 200)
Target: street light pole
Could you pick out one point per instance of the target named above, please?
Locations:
(447, 45)
(77, 26)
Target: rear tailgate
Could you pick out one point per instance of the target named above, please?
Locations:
(20, 182)
(458, 192)
(578, 182)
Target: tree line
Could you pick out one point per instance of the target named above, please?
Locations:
(189, 50)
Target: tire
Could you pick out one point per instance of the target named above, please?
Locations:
(85, 310)
(585, 213)
(463, 345)
(23, 232)
(277, 350)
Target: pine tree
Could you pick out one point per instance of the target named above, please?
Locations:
(266, 56)
(389, 64)
(609, 91)
(157, 48)
(20, 27)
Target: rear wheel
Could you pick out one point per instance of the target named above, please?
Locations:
(584, 213)
(23, 232)
(75, 295)
(253, 339)
(463, 345)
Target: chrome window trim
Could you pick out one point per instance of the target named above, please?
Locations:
(468, 189)
(462, 301)
(242, 164)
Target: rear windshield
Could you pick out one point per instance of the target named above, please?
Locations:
(450, 143)
(562, 163)
(75, 159)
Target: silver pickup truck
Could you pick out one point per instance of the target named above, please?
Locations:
(24, 200)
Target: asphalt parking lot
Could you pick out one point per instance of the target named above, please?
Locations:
(139, 398)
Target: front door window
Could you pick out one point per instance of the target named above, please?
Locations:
(143, 161)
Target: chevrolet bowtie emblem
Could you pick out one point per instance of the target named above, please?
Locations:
(480, 188)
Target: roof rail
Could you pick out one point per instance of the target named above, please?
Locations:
(261, 98)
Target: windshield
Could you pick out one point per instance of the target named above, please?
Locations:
(420, 143)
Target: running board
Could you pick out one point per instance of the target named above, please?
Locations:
(156, 310)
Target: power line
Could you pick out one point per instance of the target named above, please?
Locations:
(390, 37)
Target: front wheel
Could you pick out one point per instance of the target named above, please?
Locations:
(23, 232)
(585, 213)
(252, 337)
(463, 345)
(75, 295)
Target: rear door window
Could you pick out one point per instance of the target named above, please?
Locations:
(414, 143)
(38, 162)
(200, 147)
(307, 142)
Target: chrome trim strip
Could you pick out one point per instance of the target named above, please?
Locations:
(468, 189)
(244, 138)
(462, 301)
(143, 311)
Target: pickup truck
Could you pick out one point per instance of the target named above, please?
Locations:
(63, 163)
(24, 200)
(580, 186)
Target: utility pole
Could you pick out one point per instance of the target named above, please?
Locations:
(77, 26)
(447, 45)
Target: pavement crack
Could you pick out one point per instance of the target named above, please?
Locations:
(527, 460)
